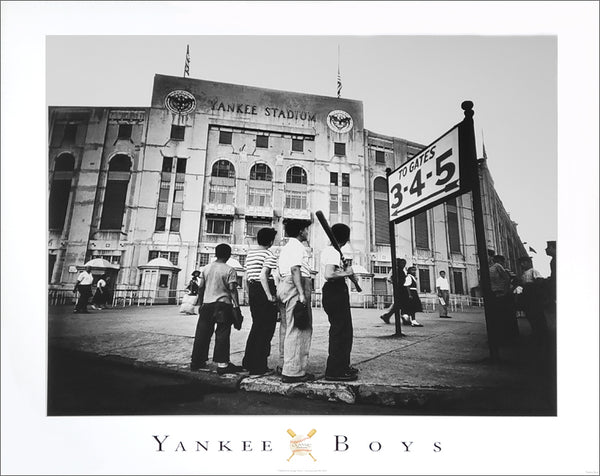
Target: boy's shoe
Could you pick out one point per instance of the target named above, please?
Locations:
(230, 369)
(303, 378)
(197, 366)
(258, 373)
(416, 324)
(347, 377)
(352, 370)
(385, 319)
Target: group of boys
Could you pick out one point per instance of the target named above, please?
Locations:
(289, 298)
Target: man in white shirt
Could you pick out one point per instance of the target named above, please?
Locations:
(84, 287)
(443, 292)
(294, 286)
(336, 303)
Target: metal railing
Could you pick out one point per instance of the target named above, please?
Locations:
(136, 297)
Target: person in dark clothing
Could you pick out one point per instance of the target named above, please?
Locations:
(262, 298)
(336, 303)
(413, 304)
(401, 290)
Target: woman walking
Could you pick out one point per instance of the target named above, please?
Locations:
(413, 304)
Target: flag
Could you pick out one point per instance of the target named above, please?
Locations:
(532, 250)
(483, 144)
(339, 77)
(186, 68)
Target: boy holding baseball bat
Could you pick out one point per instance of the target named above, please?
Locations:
(336, 303)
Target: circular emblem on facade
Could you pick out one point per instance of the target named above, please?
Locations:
(180, 102)
(339, 121)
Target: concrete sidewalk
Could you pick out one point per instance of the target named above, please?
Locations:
(440, 368)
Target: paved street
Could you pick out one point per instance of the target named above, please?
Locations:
(439, 368)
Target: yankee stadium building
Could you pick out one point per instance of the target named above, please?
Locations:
(145, 194)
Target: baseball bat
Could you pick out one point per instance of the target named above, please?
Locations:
(335, 244)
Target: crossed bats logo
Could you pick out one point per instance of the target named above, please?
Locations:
(301, 444)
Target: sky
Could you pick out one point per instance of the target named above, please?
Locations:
(411, 87)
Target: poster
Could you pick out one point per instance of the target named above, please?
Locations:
(33, 443)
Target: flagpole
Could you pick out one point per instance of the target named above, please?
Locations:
(339, 77)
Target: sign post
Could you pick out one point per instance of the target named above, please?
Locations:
(395, 287)
(467, 140)
(444, 169)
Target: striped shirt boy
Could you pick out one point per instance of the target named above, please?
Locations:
(257, 260)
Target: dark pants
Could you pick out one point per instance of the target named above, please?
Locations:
(336, 302)
(214, 313)
(264, 320)
(85, 292)
(503, 310)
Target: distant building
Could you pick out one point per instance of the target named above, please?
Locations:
(210, 162)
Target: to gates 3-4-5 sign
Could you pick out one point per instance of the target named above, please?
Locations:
(430, 176)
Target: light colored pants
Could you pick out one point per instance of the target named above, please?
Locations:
(294, 344)
(444, 308)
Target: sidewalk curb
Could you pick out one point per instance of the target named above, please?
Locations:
(365, 393)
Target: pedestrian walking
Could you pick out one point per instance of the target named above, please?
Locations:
(401, 291)
(84, 287)
(502, 306)
(99, 299)
(220, 308)
(531, 289)
(294, 288)
(336, 303)
(262, 296)
(443, 291)
(413, 304)
(189, 302)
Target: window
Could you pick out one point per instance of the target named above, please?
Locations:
(261, 172)
(218, 226)
(203, 260)
(163, 281)
(457, 282)
(333, 178)
(382, 229)
(345, 180)
(242, 260)
(424, 280)
(223, 168)
(295, 200)
(262, 142)
(175, 222)
(161, 223)
(221, 194)
(421, 231)
(115, 194)
(333, 203)
(252, 226)
(164, 193)
(177, 132)
(453, 225)
(60, 191)
(339, 148)
(297, 145)
(70, 134)
(379, 157)
(51, 263)
(225, 137)
(296, 175)
(124, 131)
(181, 165)
(259, 197)
(172, 256)
(167, 165)
(345, 204)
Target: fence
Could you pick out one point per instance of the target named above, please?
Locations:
(135, 297)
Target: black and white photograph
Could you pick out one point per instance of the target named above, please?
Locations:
(256, 252)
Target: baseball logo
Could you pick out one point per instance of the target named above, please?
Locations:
(301, 444)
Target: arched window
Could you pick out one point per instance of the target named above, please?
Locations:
(382, 231)
(223, 168)
(296, 175)
(261, 172)
(260, 187)
(60, 191)
(119, 172)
